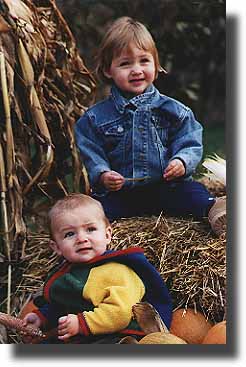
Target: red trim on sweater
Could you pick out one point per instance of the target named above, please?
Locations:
(83, 325)
(64, 269)
(116, 253)
(132, 332)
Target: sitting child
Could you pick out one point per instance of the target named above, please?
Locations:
(140, 147)
(89, 296)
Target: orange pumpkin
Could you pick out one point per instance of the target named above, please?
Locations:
(28, 307)
(189, 325)
(217, 334)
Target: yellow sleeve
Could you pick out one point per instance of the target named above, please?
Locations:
(113, 289)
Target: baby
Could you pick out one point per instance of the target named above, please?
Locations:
(89, 296)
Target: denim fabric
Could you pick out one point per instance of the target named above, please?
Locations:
(137, 137)
(182, 198)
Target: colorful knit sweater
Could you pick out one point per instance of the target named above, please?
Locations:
(102, 292)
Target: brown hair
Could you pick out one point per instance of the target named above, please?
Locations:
(119, 36)
(73, 201)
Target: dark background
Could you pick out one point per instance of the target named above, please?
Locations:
(190, 37)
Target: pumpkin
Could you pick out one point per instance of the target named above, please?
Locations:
(189, 325)
(161, 338)
(217, 334)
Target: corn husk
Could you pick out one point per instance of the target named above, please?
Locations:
(44, 88)
(17, 324)
(217, 169)
(148, 318)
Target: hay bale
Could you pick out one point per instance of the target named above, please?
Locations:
(190, 259)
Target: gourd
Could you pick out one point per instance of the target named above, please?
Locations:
(189, 325)
(217, 334)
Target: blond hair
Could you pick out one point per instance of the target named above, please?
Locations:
(123, 32)
(73, 201)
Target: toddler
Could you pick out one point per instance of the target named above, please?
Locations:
(89, 296)
(140, 147)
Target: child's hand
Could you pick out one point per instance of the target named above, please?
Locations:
(68, 326)
(174, 169)
(112, 180)
(32, 319)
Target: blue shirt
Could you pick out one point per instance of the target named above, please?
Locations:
(138, 137)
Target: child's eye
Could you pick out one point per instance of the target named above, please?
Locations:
(91, 229)
(124, 63)
(69, 234)
(145, 60)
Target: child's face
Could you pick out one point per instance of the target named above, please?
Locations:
(80, 234)
(133, 70)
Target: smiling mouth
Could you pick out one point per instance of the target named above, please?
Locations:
(83, 249)
(136, 80)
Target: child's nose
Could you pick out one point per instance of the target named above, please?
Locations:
(82, 237)
(136, 69)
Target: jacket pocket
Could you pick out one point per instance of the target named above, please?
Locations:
(113, 134)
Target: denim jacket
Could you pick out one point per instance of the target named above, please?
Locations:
(137, 137)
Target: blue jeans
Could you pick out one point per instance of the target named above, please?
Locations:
(179, 199)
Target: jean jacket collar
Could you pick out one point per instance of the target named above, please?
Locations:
(150, 97)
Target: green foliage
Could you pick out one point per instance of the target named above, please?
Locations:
(214, 141)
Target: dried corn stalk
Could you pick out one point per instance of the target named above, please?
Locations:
(44, 88)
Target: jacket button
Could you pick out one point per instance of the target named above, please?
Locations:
(120, 129)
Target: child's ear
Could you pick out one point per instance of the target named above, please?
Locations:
(108, 234)
(54, 247)
(107, 74)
